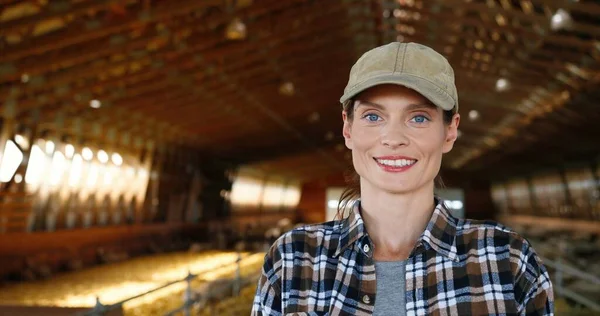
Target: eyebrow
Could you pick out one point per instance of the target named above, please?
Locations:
(412, 106)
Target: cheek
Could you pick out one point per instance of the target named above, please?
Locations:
(363, 139)
(431, 145)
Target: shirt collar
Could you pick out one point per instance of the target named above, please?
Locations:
(439, 234)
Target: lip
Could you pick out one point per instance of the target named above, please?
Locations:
(395, 169)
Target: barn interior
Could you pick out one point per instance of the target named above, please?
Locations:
(151, 150)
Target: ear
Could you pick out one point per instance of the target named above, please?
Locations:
(346, 130)
(451, 133)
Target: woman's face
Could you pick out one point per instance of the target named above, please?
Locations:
(397, 138)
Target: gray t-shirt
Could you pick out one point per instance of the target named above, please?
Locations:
(391, 290)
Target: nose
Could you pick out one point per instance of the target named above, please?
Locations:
(394, 136)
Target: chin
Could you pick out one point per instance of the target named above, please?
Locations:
(399, 184)
(394, 187)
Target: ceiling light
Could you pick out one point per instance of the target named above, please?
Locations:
(23, 143)
(117, 159)
(102, 156)
(314, 117)
(69, 151)
(502, 84)
(49, 147)
(95, 104)
(24, 78)
(561, 20)
(18, 178)
(473, 115)
(87, 154)
(236, 30)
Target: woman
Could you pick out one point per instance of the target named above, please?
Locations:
(399, 251)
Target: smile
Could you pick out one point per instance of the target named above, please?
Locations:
(395, 165)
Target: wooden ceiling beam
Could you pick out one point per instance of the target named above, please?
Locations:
(544, 136)
(281, 122)
(75, 10)
(91, 52)
(213, 39)
(87, 71)
(73, 35)
(523, 33)
(288, 54)
(99, 90)
(541, 19)
(306, 59)
(147, 88)
(77, 56)
(84, 135)
(499, 62)
(84, 71)
(583, 7)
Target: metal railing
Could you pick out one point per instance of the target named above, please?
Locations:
(190, 297)
(561, 269)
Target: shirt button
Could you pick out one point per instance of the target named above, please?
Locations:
(366, 299)
(366, 248)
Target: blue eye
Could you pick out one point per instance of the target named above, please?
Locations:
(372, 117)
(420, 119)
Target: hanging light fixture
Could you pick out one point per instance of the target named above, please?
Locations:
(561, 20)
(236, 30)
(473, 115)
(502, 84)
(95, 104)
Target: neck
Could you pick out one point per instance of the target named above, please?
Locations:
(395, 221)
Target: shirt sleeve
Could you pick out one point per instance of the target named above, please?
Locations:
(267, 300)
(533, 288)
(540, 298)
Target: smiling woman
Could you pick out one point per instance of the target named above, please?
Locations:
(400, 251)
(402, 132)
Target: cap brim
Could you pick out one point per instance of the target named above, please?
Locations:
(426, 88)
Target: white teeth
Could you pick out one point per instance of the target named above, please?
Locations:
(397, 162)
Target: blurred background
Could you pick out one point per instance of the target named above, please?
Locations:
(152, 150)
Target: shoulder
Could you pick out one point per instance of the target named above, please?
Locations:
(494, 240)
(309, 237)
(488, 233)
(470, 228)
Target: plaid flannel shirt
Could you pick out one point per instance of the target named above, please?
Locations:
(458, 267)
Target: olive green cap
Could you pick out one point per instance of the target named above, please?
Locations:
(412, 65)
